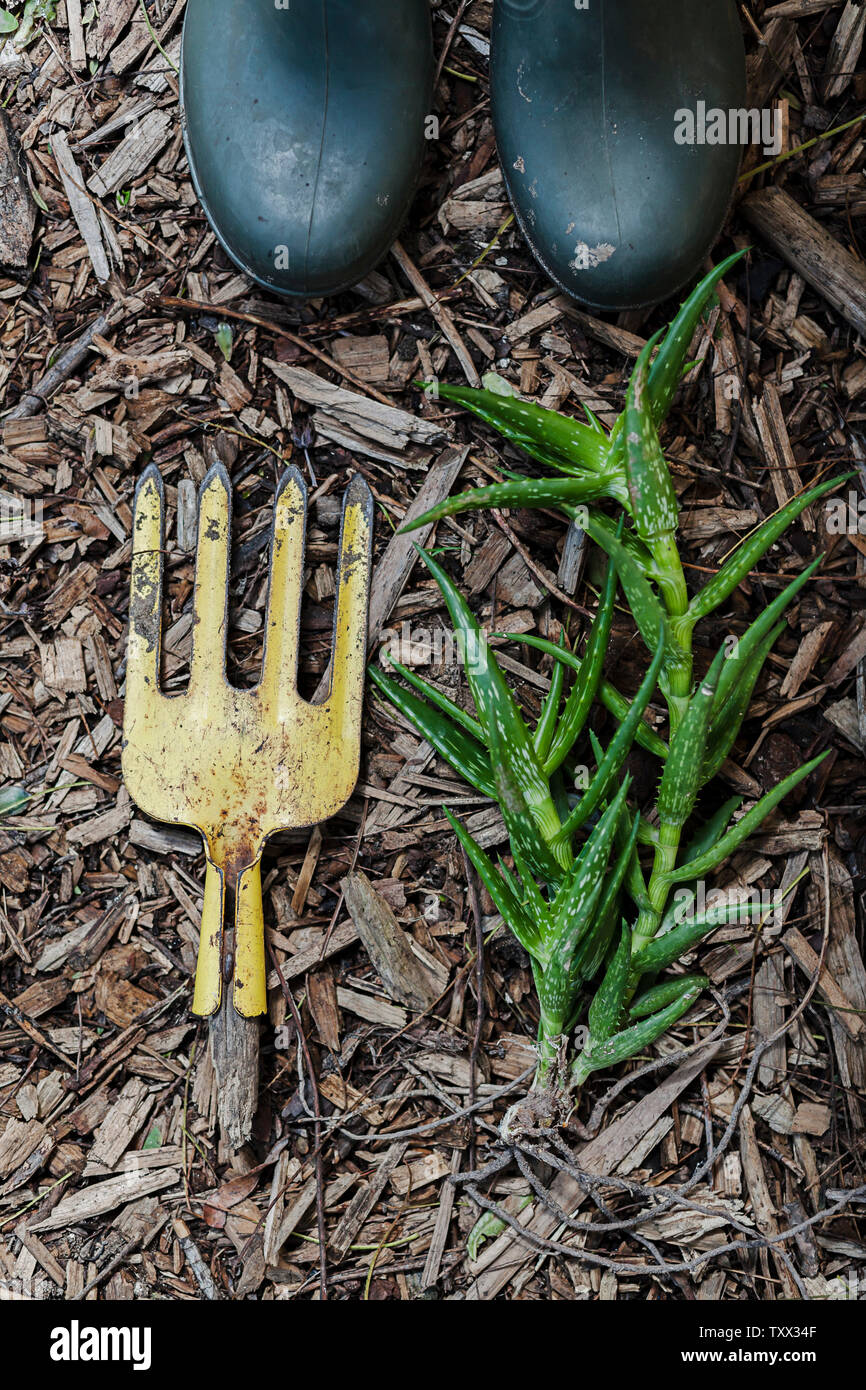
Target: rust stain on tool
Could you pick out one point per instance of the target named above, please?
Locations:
(241, 764)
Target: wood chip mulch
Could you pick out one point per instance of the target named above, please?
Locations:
(127, 336)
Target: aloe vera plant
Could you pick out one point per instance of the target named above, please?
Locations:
(596, 921)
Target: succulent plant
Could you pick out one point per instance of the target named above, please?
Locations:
(597, 925)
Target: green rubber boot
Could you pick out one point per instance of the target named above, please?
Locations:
(304, 129)
(591, 106)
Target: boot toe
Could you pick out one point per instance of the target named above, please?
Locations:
(304, 130)
(587, 106)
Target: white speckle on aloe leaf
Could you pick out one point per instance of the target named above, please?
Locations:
(588, 257)
(520, 165)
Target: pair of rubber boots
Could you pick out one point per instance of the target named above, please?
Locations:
(306, 124)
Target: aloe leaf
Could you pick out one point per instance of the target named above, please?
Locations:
(582, 692)
(653, 500)
(707, 835)
(734, 837)
(682, 771)
(619, 708)
(639, 552)
(533, 427)
(516, 769)
(530, 895)
(668, 992)
(723, 584)
(612, 700)
(592, 950)
(758, 630)
(437, 698)
(703, 839)
(464, 754)
(521, 492)
(504, 899)
(605, 1011)
(671, 945)
(618, 749)
(594, 421)
(556, 997)
(647, 833)
(666, 370)
(545, 729)
(670, 365)
(578, 896)
(632, 1040)
(726, 724)
(645, 606)
(522, 825)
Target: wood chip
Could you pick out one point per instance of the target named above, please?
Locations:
(80, 204)
(409, 975)
(831, 270)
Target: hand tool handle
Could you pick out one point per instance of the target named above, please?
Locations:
(206, 999)
(250, 990)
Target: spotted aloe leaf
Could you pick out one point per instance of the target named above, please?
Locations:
(755, 634)
(671, 945)
(681, 778)
(723, 584)
(668, 992)
(545, 729)
(744, 827)
(591, 952)
(726, 723)
(666, 371)
(630, 1041)
(653, 500)
(617, 751)
(530, 895)
(712, 830)
(562, 441)
(645, 606)
(517, 772)
(565, 493)
(532, 836)
(459, 749)
(577, 898)
(503, 896)
(583, 691)
(699, 844)
(612, 700)
(605, 1011)
(437, 698)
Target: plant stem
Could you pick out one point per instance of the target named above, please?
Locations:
(658, 889)
(672, 584)
(549, 1051)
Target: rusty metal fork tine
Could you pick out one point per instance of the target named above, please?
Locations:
(350, 621)
(210, 600)
(280, 667)
(145, 600)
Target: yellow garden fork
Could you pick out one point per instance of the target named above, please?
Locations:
(241, 764)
